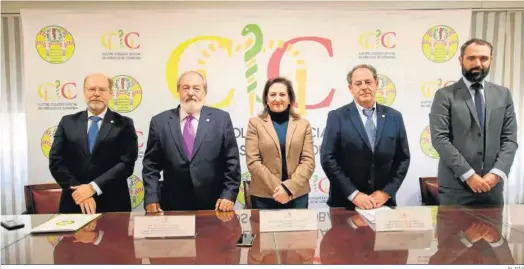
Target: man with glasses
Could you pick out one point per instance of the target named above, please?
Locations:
(93, 153)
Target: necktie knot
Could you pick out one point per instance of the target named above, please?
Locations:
(189, 118)
(95, 119)
(368, 112)
(476, 86)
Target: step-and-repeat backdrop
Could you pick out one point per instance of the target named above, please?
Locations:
(144, 52)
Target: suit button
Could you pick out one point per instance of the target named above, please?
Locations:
(479, 134)
(369, 181)
(191, 165)
(479, 153)
(372, 165)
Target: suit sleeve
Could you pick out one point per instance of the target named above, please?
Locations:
(306, 166)
(508, 138)
(232, 162)
(401, 161)
(254, 160)
(128, 154)
(57, 164)
(329, 153)
(440, 126)
(152, 165)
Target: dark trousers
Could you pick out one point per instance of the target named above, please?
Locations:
(269, 203)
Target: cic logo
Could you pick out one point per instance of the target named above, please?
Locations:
(378, 39)
(429, 88)
(51, 91)
(121, 40)
(251, 48)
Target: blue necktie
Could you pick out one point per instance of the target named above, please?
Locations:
(479, 104)
(370, 127)
(93, 132)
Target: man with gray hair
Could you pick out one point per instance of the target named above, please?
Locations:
(195, 146)
(93, 153)
(365, 150)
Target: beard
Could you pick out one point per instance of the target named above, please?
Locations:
(96, 105)
(475, 76)
(191, 107)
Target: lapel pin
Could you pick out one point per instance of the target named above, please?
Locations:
(111, 121)
(383, 116)
(207, 120)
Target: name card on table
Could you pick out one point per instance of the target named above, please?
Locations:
(404, 219)
(164, 226)
(288, 220)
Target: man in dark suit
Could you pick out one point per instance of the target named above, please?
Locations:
(93, 154)
(365, 151)
(474, 130)
(195, 146)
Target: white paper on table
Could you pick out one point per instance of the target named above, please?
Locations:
(64, 223)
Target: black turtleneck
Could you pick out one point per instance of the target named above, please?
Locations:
(280, 122)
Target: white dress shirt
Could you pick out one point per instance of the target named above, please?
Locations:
(194, 122)
(364, 118)
(99, 123)
(471, 172)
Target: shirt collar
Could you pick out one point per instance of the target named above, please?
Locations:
(469, 83)
(361, 108)
(102, 115)
(183, 115)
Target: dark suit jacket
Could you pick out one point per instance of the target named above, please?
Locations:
(196, 184)
(348, 161)
(462, 145)
(109, 166)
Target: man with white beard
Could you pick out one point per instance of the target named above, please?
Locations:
(195, 147)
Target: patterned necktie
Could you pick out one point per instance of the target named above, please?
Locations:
(370, 127)
(189, 136)
(93, 132)
(479, 104)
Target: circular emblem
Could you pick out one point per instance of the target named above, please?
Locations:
(136, 190)
(47, 140)
(425, 144)
(246, 176)
(127, 94)
(55, 44)
(440, 43)
(386, 91)
(65, 222)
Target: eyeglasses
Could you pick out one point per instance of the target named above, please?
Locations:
(101, 90)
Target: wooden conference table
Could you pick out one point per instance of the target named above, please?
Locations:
(343, 237)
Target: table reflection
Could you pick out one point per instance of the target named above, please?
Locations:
(282, 247)
(215, 241)
(103, 241)
(463, 238)
(351, 241)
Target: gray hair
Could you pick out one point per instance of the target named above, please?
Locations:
(366, 66)
(109, 80)
(191, 72)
